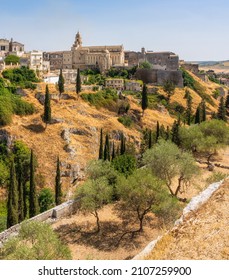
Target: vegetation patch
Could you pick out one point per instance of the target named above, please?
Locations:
(190, 82)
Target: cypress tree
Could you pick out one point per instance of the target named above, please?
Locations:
(167, 133)
(189, 110)
(198, 115)
(157, 131)
(33, 199)
(144, 99)
(150, 139)
(78, 82)
(47, 106)
(21, 212)
(101, 145)
(113, 151)
(203, 109)
(221, 110)
(107, 148)
(123, 144)
(61, 83)
(12, 202)
(175, 133)
(58, 191)
(162, 132)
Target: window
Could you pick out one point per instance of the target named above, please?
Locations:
(3, 48)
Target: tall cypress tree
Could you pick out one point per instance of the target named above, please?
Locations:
(33, 199)
(150, 139)
(113, 151)
(198, 115)
(47, 106)
(61, 83)
(221, 110)
(175, 133)
(107, 148)
(123, 144)
(12, 202)
(58, 191)
(144, 99)
(203, 109)
(21, 203)
(189, 110)
(167, 133)
(101, 145)
(157, 131)
(78, 82)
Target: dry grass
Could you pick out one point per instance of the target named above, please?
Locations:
(78, 232)
(204, 236)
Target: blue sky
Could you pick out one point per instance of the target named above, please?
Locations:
(194, 29)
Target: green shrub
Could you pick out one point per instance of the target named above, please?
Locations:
(106, 98)
(46, 199)
(125, 164)
(190, 82)
(126, 121)
(21, 107)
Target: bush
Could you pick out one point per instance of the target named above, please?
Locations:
(190, 82)
(125, 164)
(126, 121)
(46, 199)
(106, 98)
(35, 241)
(21, 107)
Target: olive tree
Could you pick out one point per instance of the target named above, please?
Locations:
(93, 195)
(206, 138)
(168, 162)
(139, 192)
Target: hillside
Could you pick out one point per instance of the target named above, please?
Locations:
(203, 236)
(75, 134)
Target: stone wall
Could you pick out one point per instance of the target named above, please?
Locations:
(154, 76)
(194, 68)
(174, 76)
(60, 211)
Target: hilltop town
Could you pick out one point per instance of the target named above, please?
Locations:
(94, 121)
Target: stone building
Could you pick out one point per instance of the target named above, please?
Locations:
(115, 83)
(103, 57)
(165, 66)
(55, 59)
(11, 47)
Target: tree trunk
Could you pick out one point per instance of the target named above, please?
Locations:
(180, 179)
(97, 221)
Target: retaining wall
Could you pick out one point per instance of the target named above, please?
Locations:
(195, 203)
(63, 210)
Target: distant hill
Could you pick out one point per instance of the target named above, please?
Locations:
(211, 63)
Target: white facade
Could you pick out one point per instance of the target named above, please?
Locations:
(36, 60)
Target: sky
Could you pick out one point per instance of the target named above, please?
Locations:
(196, 30)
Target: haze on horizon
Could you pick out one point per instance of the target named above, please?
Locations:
(196, 30)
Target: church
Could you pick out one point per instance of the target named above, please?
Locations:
(103, 57)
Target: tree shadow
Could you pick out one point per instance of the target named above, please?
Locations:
(105, 240)
(37, 128)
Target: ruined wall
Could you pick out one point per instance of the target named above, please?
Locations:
(194, 68)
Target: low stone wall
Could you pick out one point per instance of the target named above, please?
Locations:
(63, 210)
(195, 203)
